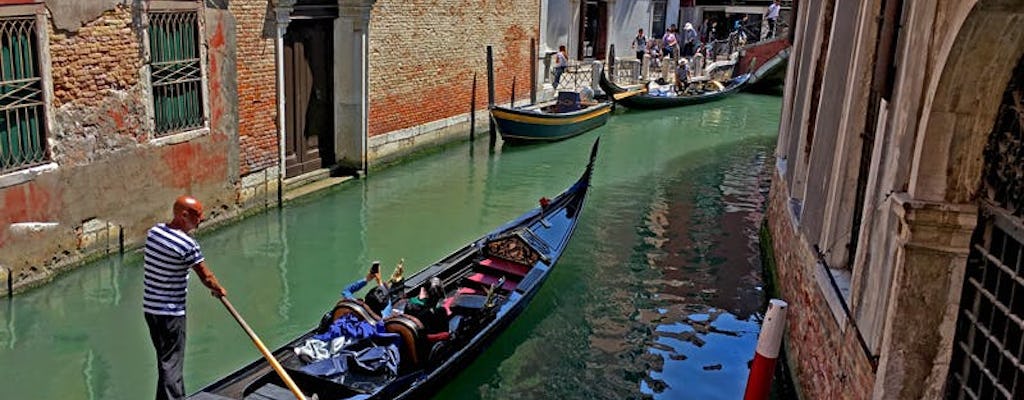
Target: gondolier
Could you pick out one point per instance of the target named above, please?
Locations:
(169, 253)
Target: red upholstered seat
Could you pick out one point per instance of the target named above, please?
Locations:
(507, 267)
(488, 280)
(463, 290)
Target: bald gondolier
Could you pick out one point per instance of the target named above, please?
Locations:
(169, 253)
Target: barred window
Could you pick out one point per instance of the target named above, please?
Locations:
(22, 111)
(176, 71)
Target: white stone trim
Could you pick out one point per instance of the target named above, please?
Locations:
(412, 132)
(180, 137)
(24, 175)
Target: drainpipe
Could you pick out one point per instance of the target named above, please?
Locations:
(282, 12)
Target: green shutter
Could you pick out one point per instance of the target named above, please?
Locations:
(176, 74)
(21, 96)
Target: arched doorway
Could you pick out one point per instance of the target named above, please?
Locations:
(988, 347)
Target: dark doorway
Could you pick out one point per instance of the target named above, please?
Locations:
(593, 30)
(309, 100)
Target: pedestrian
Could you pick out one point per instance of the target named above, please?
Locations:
(639, 45)
(561, 63)
(705, 29)
(670, 41)
(773, 17)
(168, 255)
(689, 40)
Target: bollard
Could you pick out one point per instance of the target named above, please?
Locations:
(759, 382)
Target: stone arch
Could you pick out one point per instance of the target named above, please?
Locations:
(974, 64)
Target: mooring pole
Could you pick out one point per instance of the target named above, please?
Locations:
(472, 110)
(490, 90)
(611, 62)
(533, 71)
(759, 382)
(513, 92)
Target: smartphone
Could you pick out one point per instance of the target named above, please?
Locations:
(375, 268)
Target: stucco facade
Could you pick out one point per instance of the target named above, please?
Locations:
(887, 115)
(105, 167)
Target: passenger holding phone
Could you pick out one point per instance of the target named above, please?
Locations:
(379, 297)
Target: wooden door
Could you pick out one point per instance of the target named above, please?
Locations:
(593, 30)
(309, 104)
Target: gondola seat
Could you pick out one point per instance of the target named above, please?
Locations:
(411, 332)
(348, 306)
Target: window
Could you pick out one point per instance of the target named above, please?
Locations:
(176, 71)
(658, 8)
(22, 107)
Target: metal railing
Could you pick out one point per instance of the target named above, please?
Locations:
(176, 71)
(22, 127)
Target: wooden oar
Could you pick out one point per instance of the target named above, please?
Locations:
(263, 349)
(631, 93)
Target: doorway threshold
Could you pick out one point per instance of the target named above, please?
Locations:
(311, 182)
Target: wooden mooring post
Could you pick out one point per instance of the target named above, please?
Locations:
(533, 71)
(490, 91)
(513, 102)
(472, 110)
(611, 62)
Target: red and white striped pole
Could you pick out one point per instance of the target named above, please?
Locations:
(759, 383)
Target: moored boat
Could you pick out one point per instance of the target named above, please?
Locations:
(550, 121)
(640, 99)
(483, 286)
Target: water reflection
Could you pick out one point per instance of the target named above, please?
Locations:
(656, 296)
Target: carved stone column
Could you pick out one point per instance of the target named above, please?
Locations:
(282, 14)
(352, 82)
(932, 246)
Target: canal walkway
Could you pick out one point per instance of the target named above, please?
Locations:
(657, 296)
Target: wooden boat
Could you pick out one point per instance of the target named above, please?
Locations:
(640, 99)
(545, 123)
(487, 284)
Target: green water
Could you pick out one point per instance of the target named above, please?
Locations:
(657, 296)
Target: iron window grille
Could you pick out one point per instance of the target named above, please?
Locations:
(176, 72)
(22, 112)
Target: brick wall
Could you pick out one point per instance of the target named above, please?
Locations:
(98, 101)
(827, 362)
(257, 88)
(423, 55)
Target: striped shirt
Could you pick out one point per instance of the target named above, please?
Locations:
(169, 253)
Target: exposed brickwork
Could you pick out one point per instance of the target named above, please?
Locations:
(828, 363)
(257, 88)
(103, 55)
(99, 104)
(423, 55)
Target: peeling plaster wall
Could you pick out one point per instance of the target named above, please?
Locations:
(110, 177)
(70, 15)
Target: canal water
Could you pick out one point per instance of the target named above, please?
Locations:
(659, 294)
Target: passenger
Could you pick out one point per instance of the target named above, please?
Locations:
(427, 306)
(378, 298)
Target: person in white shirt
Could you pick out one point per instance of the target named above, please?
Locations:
(773, 17)
(561, 63)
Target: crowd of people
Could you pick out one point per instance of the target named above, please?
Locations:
(683, 45)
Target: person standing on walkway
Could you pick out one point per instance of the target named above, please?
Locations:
(168, 255)
(773, 17)
(670, 41)
(561, 63)
(639, 45)
(690, 40)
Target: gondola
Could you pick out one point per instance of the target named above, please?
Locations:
(487, 284)
(639, 99)
(552, 121)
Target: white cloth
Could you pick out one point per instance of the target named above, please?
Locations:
(773, 11)
(316, 350)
